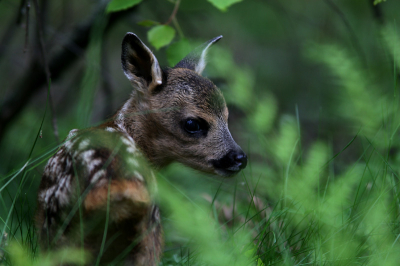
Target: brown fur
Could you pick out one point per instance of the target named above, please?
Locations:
(125, 195)
(106, 168)
(185, 94)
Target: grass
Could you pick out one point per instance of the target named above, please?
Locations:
(297, 203)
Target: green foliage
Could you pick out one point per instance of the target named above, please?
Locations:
(192, 220)
(264, 114)
(117, 5)
(285, 144)
(92, 73)
(251, 253)
(177, 51)
(358, 94)
(240, 80)
(223, 4)
(392, 41)
(161, 35)
(148, 23)
(378, 1)
(19, 256)
(321, 188)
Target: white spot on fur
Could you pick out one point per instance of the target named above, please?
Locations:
(126, 141)
(70, 139)
(130, 143)
(138, 175)
(120, 125)
(133, 162)
(98, 175)
(87, 154)
(84, 144)
(131, 149)
(131, 140)
(93, 164)
(45, 195)
(63, 188)
(69, 143)
(87, 157)
(72, 133)
(121, 115)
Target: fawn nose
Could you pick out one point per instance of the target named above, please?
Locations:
(232, 162)
(241, 160)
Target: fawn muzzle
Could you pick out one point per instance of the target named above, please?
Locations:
(233, 159)
(231, 163)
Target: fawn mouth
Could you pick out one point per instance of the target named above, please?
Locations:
(226, 172)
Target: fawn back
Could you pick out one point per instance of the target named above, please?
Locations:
(102, 176)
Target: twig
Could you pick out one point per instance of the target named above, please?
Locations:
(47, 70)
(33, 79)
(28, 8)
(20, 14)
(11, 29)
(173, 12)
(178, 28)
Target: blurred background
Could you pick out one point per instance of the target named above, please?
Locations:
(294, 73)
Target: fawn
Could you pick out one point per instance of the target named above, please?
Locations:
(103, 175)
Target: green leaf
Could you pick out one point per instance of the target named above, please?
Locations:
(20, 256)
(224, 4)
(118, 5)
(264, 114)
(378, 1)
(160, 36)
(148, 23)
(177, 51)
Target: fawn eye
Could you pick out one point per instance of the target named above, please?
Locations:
(195, 127)
(192, 126)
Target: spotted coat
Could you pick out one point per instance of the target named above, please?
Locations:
(103, 175)
(90, 165)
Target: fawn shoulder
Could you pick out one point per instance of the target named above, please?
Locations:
(103, 176)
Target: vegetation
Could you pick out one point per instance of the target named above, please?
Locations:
(313, 94)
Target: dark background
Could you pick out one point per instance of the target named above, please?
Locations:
(265, 66)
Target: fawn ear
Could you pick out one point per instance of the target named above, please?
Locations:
(196, 60)
(139, 63)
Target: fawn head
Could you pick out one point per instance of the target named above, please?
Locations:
(178, 114)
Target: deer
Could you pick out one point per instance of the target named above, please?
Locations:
(104, 175)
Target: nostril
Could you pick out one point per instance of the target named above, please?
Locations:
(241, 160)
(232, 162)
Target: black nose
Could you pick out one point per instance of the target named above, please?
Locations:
(241, 160)
(231, 163)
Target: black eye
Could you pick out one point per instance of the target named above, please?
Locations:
(192, 126)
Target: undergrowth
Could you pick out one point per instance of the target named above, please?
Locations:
(297, 203)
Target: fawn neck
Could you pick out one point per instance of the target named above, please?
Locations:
(135, 118)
